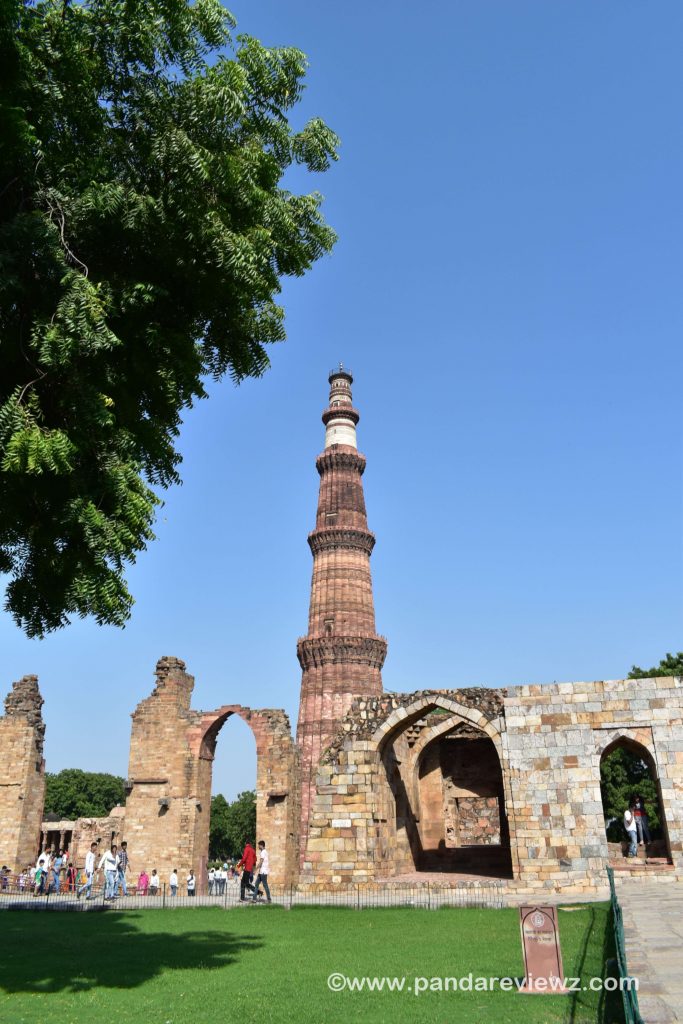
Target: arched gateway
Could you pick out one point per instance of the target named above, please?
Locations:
(169, 779)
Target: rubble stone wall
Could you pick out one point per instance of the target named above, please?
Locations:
(22, 774)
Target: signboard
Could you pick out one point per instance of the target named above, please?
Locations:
(543, 971)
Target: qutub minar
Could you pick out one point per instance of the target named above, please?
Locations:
(341, 657)
(467, 786)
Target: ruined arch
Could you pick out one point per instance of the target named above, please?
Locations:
(170, 770)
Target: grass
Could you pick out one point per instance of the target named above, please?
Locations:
(266, 964)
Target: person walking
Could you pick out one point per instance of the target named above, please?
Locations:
(262, 869)
(143, 883)
(630, 826)
(122, 865)
(70, 878)
(154, 883)
(108, 864)
(173, 882)
(212, 880)
(191, 883)
(247, 863)
(89, 872)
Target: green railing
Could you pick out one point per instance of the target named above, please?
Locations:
(629, 993)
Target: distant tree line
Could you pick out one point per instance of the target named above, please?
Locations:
(73, 793)
(231, 825)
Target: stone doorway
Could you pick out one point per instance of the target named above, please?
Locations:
(627, 769)
(462, 819)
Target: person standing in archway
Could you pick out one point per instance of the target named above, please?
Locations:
(247, 864)
(640, 815)
(630, 827)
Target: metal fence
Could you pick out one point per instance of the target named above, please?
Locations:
(426, 897)
(628, 991)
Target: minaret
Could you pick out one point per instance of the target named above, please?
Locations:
(342, 655)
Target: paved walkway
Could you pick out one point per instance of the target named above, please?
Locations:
(653, 928)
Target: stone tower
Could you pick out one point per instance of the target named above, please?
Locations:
(342, 656)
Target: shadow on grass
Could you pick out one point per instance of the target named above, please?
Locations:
(610, 1007)
(103, 950)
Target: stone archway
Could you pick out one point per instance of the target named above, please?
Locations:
(639, 744)
(431, 814)
(276, 783)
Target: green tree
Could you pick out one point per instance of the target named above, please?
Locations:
(231, 824)
(144, 235)
(671, 665)
(73, 793)
(622, 775)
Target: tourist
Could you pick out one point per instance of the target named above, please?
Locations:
(42, 870)
(640, 815)
(89, 872)
(23, 879)
(261, 873)
(247, 862)
(220, 881)
(70, 878)
(55, 869)
(212, 880)
(154, 883)
(190, 883)
(143, 883)
(108, 864)
(173, 882)
(122, 865)
(630, 826)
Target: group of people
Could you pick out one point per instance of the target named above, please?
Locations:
(115, 864)
(636, 825)
(54, 872)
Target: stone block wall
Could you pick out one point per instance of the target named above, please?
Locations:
(22, 774)
(549, 741)
(554, 738)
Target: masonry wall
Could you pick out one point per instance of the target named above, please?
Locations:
(549, 741)
(22, 774)
(554, 738)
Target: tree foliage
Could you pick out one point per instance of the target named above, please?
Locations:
(144, 233)
(231, 825)
(73, 793)
(623, 775)
(671, 665)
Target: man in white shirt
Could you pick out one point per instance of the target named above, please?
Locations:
(154, 883)
(173, 882)
(109, 864)
(631, 832)
(261, 872)
(190, 883)
(89, 872)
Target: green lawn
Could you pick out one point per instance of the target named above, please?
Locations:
(263, 964)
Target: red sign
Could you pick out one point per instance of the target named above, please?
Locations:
(543, 971)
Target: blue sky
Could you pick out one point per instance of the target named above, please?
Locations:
(507, 291)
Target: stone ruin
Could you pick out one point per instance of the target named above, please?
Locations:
(377, 788)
